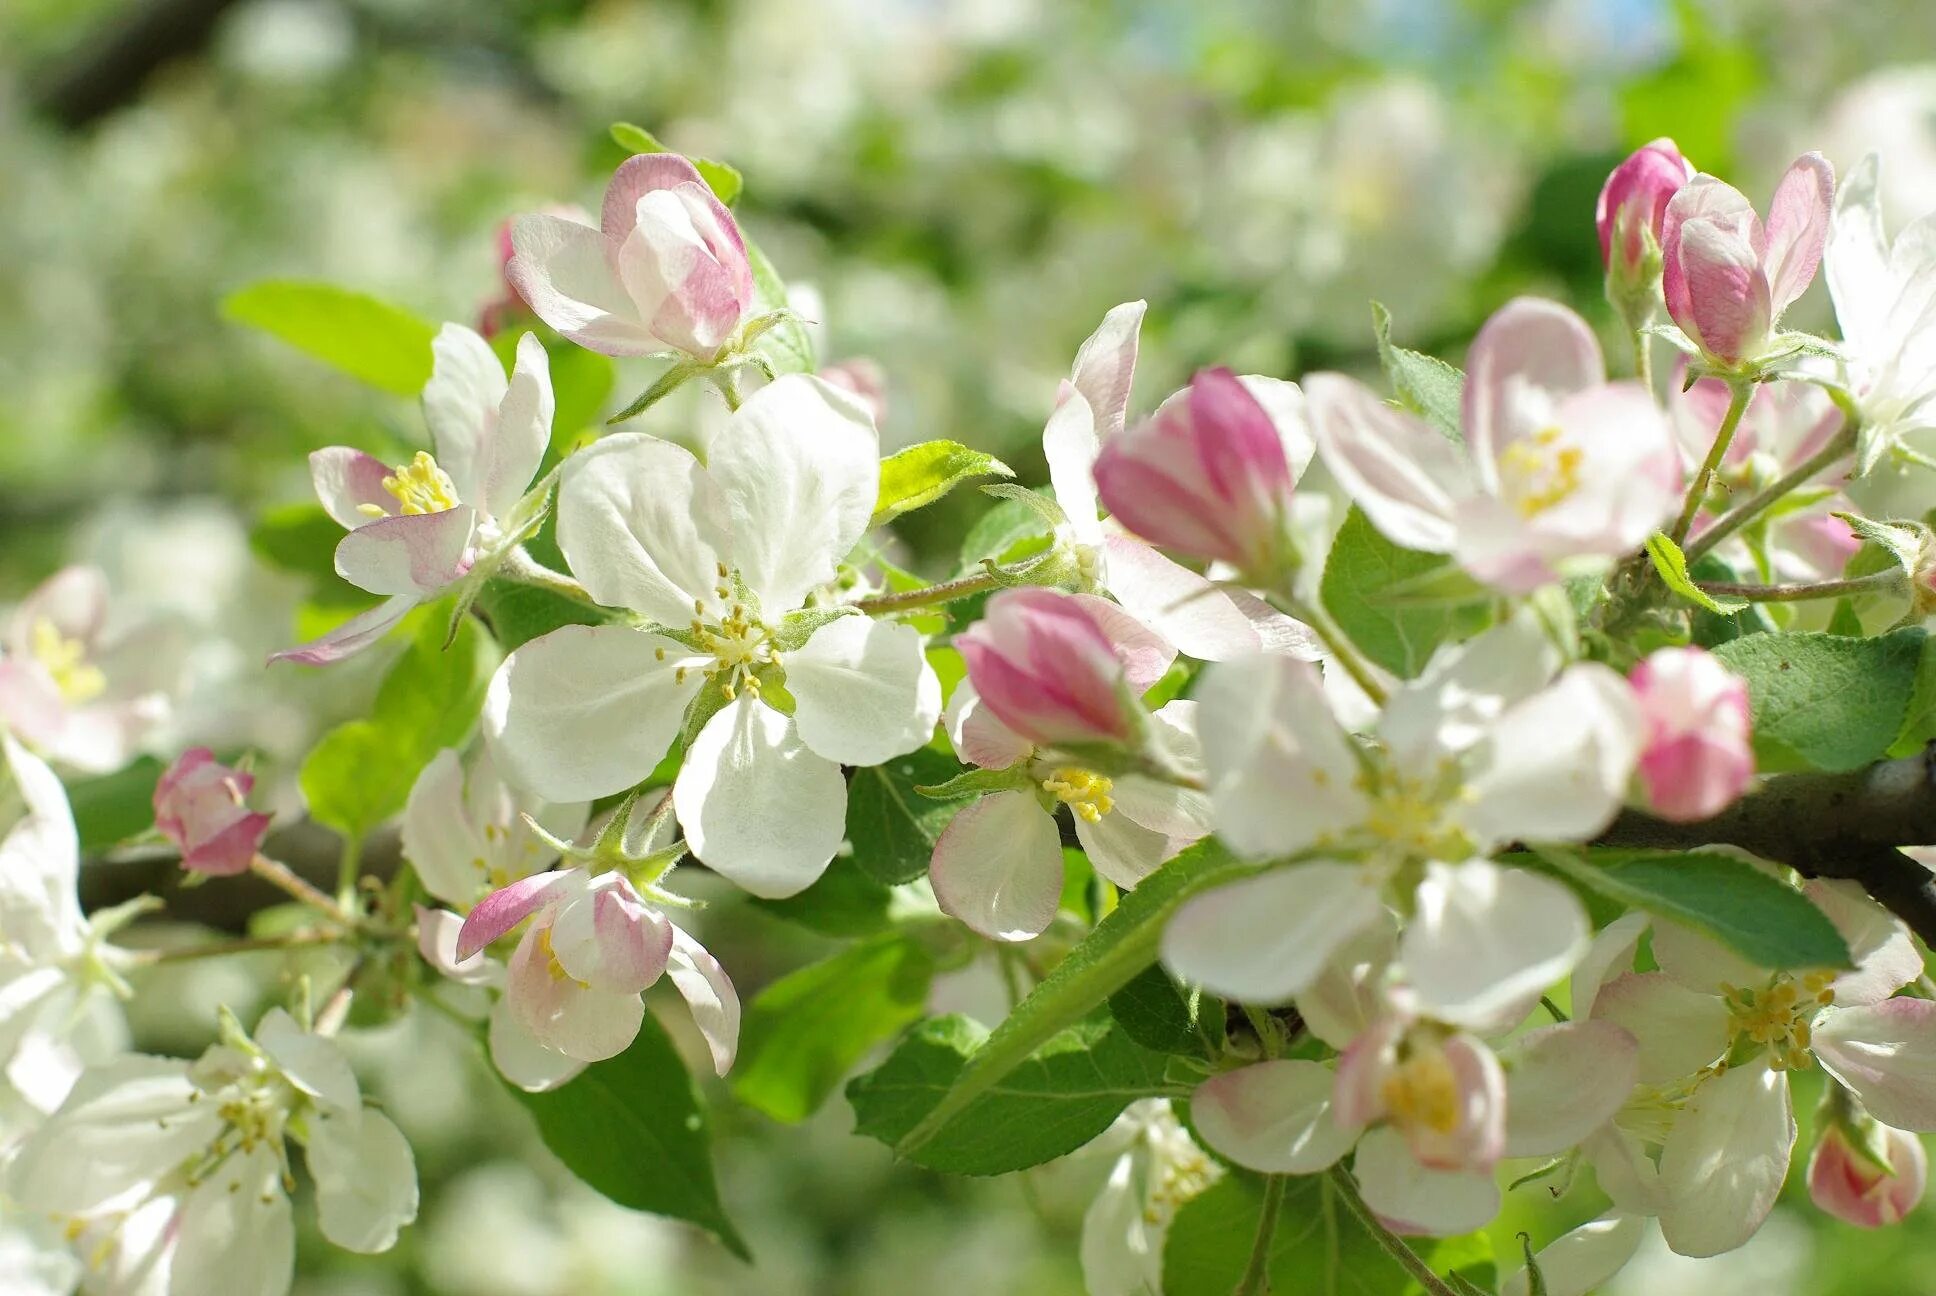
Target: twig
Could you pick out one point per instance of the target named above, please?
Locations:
(1738, 394)
(283, 877)
(1796, 591)
(929, 595)
(1741, 514)
(1256, 1279)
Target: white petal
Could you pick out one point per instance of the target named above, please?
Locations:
(576, 1020)
(1559, 761)
(1464, 691)
(978, 736)
(1885, 954)
(437, 935)
(523, 428)
(1886, 1053)
(1724, 1160)
(1070, 442)
(1124, 851)
(1284, 402)
(1486, 941)
(998, 867)
(1404, 1193)
(642, 526)
(1580, 1261)
(1349, 995)
(709, 993)
(1185, 608)
(1122, 1255)
(460, 403)
(1281, 771)
(1105, 365)
(235, 1234)
(312, 1063)
(756, 804)
(440, 839)
(1678, 1031)
(345, 479)
(1563, 1082)
(1266, 938)
(408, 554)
(586, 710)
(1398, 469)
(355, 634)
(863, 690)
(366, 1180)
(1610, 955)
(519, 1058)
(1625, 1170)
(127, 1123)
(1274, 1117)
(39, 857)
(562, 270)
(798, 467)
(1698, 961)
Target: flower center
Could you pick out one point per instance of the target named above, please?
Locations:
(1422, 1090)
(741, 645)
(1408, 816)
(1539, 471)
(77, 679)
(552, 965)
(419, 486)
(1780, 1017)
(1085, 792)
(1177, 1176)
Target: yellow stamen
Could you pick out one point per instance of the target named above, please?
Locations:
(419, 486)
(1422, 1090)
(1539, 471)
(78, 679)
(1085, 792)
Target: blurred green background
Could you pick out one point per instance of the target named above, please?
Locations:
(966, 188)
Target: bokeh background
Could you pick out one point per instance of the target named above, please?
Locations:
(966, 187)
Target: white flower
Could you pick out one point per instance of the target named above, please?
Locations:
(723, 557)
(1157, 1170)
(174, 1177)
(1480, 751)
(78, 693)
(1202, 619)
(420, 528)
(464, 835)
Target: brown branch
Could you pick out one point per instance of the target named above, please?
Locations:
(113, 63)
(1848, 826)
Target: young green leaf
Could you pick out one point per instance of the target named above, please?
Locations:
(1424, 384)
(1119, 947)
(1833, 702)
(1151, 1011)
(1671, 564)
(921, 474)
(1050, 1103)
(804, 1032)
(519, 613)
(370, 340)
(1362, 570)
(844, 903)
(725, 181)
(1315, 1247)
(787, 346)
(632, 1127)
(892, 827)
(111, 808)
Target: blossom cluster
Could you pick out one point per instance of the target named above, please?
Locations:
(1388, 846)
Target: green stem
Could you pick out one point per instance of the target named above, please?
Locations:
(1256, 1279)
(518, 565)
(726, 378)
(348, 868)
(1394, 1246)
(1738, 394)
(931, 595)
(1338, 647)
(282, 877)
(1742, 514)
(1797, 591)
(1644, 359)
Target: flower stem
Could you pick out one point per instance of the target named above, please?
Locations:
(282, 877)
(726, 378)
(1338, 646)
(1256, 1279)
(348, 865)
(1643, 350)
(1738, 394)
(520, 566)
(1796, 591)
(1394, 1245)
(1739, 516)
(930, 595)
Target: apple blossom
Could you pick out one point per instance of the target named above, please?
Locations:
(1885, 301)
(1206, 476)
(1725, 277)
(1847, 1179)
(1156, 1172)
(723, 556)
(201, 805)
(176, 1174)
(1697, 760)
(1043, 666)
(426, 526)
(1559, 467)
(73, 689)
(1628, 215)
(1489, 746)
(1205, 620)
(997, 866)
(465, 836)
(665, 268)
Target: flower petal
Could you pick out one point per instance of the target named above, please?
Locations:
(1886, 1053)
(641, 526)
(1273, 1117)
(235, 1233)
(1563, 1082)
(347, 479)
(523, 428)
(1186, 609)
(757, 804)
(366, 1180)
(1798, 222)
(1559, 761)
(437, 935)
(709, 993)
(566, 1015)
(1579, 1262)
(1412, 1199)
(1104, 367)
(519, 1058)
(497, 913)
(979, 737)
(1724, 1160)
(309, 1062)
(416, 553)
(126, 1122)
(440, 839)
(562, 270)
(607, 937)
(1885, 953)
(1404, 475)
(1677, 1030)
(460, 403)
(354, 635)
(863, 691)
(1486, 941)
(1265, 939)
(1530, 355)
(998, 867)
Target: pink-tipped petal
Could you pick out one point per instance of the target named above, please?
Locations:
(346, 480)
(709, 993)
(1798, 223)
(506, 907)
(354, 635)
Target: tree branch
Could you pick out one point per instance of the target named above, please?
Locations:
(1849, 826)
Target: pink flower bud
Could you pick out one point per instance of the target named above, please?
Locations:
(1633, 202)
(1726, 279)
(199, 806)
(1044, 666)
(666, 267)
(1697, 758)
(1206, 476)
(1849, 1185)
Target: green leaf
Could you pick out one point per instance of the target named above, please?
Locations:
(1211, 1238)
(787, 345)
(114, 807)
(519, 613)
(1761, 918)
(1052, 1102)
(1834, 702)
(361, 772)
(1151, 1011)
(725, 181)
(892, 827)
(1362, 569)
(1671, 563)
(1424, 384)
(1919, 718)
(843, 903)
(1002, 534)
(1711, 630)
(921, 474)
(301, 539)
(370, 340)
(1119, 947)
(582, 382)
(632, 1127)
(804, 1032)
